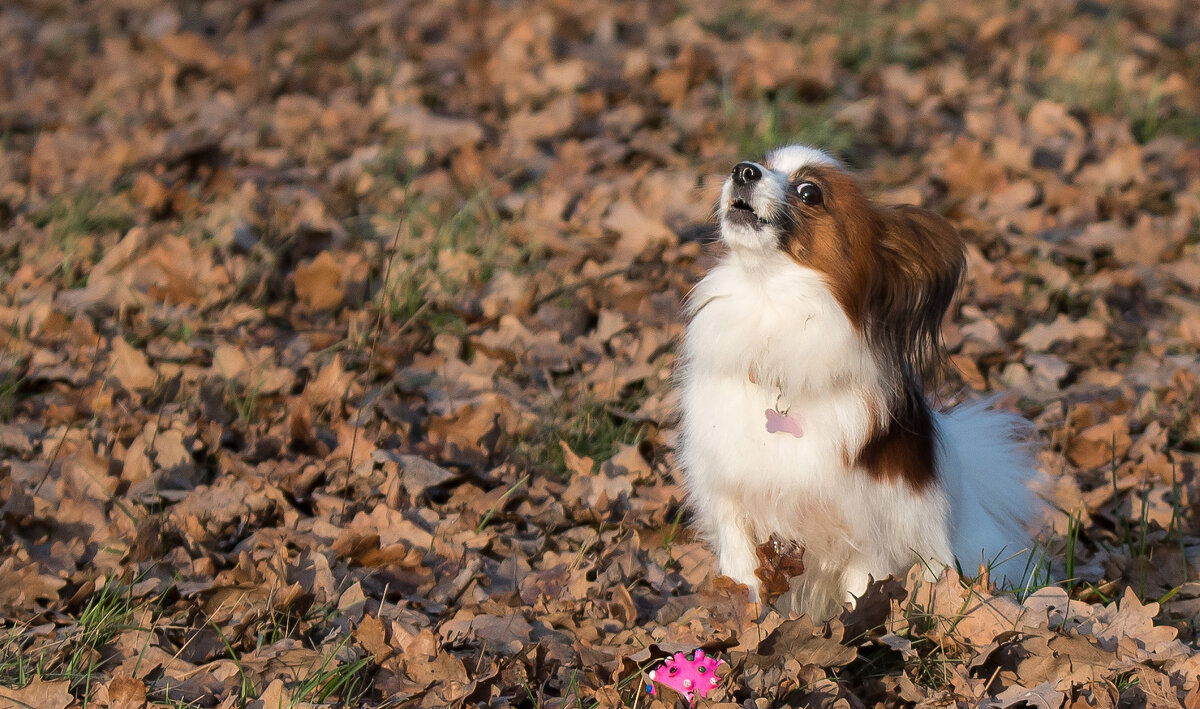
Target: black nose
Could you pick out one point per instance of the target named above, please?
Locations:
(745, 172)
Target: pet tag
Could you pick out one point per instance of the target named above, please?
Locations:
(779, 422)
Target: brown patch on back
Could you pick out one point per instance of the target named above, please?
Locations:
(903, 446)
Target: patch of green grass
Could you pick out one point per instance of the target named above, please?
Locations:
(243, 401)
(736, 21)
(439, 249)
(630, 687)
(404, 295)
(181, 332)
(1100, 90)
(347, 681)
(17, 667)
(933, 664)
(342, 680)
(869, 39)
(673, 534)
(105, 615)
(71, 221)
(368, 72)
(1125, 680)
(82, 213)
(279, 624)
(1136, 540)
(433, 257)
(1154, 121)
(590, 428)
(935, 657)
(246, 688)
(594, 429)
(1176, 528)
(10, 389)
(1074, 525)
(77, 655)
(780, 119)
(1093, 81)
(72, 271)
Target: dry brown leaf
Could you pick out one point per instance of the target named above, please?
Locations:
(125, 693)
(130, 367)
(1130, 618)
(637, 230)
(318, 282)
(507, 633)
(229, 361)
(39, 693)
(1042, 336)
(417, 474)
(426, 131)
(148, 192)
(332, 383)
(275, 696)
(778, 563)
(803, 642)
(575, 464)
(1102, 444)
(1043, 695)
(628, 461)
(23, 584)
(87, 475)
(373, 636)
(1186, 271)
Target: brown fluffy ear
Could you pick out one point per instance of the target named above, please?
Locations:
(922, 261)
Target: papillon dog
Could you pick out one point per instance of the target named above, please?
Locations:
(803, 381)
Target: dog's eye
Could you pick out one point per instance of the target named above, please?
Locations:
(809, 193)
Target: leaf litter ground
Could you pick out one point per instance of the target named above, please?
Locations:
(338, 341)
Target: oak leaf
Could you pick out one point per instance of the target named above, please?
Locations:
(41, 694)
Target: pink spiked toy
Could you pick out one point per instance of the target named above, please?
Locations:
(689, 675)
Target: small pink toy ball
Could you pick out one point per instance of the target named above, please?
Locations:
(689, 675)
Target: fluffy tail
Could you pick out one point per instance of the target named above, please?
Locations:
(988, 471)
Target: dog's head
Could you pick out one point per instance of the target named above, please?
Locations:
(893, 270)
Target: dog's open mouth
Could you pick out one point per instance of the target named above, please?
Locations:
(740, 212)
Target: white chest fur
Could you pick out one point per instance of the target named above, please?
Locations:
(766, 332)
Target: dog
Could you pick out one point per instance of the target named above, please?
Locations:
(802, 382)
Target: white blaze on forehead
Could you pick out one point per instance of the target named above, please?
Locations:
(793, 157)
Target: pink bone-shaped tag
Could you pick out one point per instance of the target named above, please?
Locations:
(778, 422)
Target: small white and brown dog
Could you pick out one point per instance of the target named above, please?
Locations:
(804, 410)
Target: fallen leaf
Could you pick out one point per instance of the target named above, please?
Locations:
(1042, 336)
(778, 563)
(1043, 695)
(318, 283)
(41, 694)
(130, 367)
(1102, 444)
